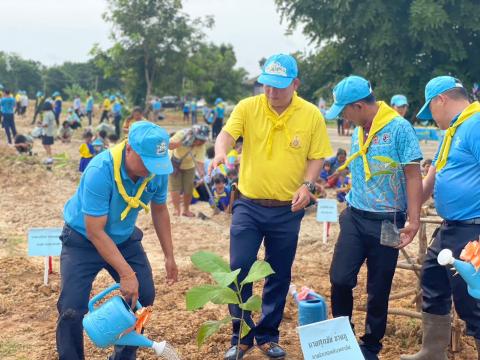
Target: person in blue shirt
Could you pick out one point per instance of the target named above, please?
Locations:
(399, 103)
(372, 201)
(186, 111)
(100, 232)
(7, 107)
(117, 115)
(193, 111)
(221, 194)
(454, 179)
(89, 108)
(57, 108)
(219, 116)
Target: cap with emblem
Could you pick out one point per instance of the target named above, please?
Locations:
(279, 71)
(347, 91)
(435, 87)
(399, 100)
(150, 142)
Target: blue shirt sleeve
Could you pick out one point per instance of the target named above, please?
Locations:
(96, 191)
(160, 196)
(406, 142)
(473, 136)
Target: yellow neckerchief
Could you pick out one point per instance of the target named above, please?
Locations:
(383, 117)
(469, 111)
(279, 122)
(132, 201)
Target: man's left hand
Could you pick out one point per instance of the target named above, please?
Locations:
(301, 198)
(172, 271)
(407, 234)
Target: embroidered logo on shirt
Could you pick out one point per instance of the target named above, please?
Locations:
(375, 140)
(275, 68)
(162, 148)
(386, 138)
(457, 142)
(295, 143)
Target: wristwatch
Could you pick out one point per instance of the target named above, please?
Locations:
(310, 186)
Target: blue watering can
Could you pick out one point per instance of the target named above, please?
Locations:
(310, 310)
(465, 269)
(112, 323)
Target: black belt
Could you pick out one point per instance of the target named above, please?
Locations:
(267, 202)
(379, 215)
(475, 221)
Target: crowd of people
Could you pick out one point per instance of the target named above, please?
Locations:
(270, 161)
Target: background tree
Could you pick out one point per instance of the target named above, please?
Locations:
(398, 45)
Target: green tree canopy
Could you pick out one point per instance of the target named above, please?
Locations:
(397, 45)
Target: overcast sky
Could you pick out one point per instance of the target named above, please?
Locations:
(53, 31)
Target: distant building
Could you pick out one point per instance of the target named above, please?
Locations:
(254, 86)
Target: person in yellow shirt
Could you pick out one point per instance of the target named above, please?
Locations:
(188, 153)
(284, 144)
(106, 108)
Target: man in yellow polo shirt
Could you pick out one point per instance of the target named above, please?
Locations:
(284, 143)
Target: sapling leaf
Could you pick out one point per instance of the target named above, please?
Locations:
(198, 296)
(254, 303)
(259, 270)
(382, 172)
(225, 296)
(224, 279)
(387, 160)
(245, 329)
(210, 262)
(209, 328)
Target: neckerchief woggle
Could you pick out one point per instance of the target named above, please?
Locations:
(384, 116)
(466, 114)
(132, 201)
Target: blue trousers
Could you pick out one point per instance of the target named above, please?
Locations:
(278, 229)
(79, 265)
(438, 282)
(359, 240)
(9, 125)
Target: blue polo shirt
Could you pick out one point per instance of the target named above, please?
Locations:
(89, 106)
(117, 108)
(97, 195)
(398, 141)
(7, 105)
(457, 185)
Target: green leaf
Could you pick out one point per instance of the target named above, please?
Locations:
(383, 172)
(245, 329)
(198, 296)
(210, 262)
(224, 279)
(254, 303)
(225, 296)
(209, 328)
(386, 160)
(259, 270)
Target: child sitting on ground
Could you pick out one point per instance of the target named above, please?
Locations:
(73, 120)
(232, 176)
(325, 173)
(23, 144)
(87, 152)
(343, 185)
(65, 133)
(221, 195)
(426, 166)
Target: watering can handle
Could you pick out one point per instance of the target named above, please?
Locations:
(104, 293)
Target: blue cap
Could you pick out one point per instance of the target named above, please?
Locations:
(150, 142)
(112, 98)
(399, 100)
(435, 87)
(279, 71)
(347, 91)
(218, 101)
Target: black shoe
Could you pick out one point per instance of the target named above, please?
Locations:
(272, 350)
(368, 354)
(231, 353)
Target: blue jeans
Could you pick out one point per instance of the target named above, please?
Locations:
(8, 124)
(80, 263)
(278, 229)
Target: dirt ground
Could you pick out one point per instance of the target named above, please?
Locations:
(32, 196)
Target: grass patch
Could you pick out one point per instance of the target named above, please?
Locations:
(10, 348)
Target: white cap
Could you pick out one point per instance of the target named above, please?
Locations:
(445, 257)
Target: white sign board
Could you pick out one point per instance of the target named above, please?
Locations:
(44, 242)
(330, 339)
(327, 210)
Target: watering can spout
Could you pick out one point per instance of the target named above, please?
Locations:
(465, 269)
(134, 339)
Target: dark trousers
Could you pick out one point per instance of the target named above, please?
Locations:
(89, 117)
(438, 282)
(359, 240)
(57, 117)
(278, 228)
(104, 116)
(217, 127)
(194, 117)
(79, 265)
(117, 118)
(8, 124)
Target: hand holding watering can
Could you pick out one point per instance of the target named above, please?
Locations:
(114, 323)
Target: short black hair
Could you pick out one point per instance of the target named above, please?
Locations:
(370, 99)
(113, 137)
(458, 93)
(87, 134)
(210, 152)
(47, 106)
(427, 162)
(65, 123)
(219, 178)
(137, 109)
(341, 151)
(102, 134)
(7, 92)
(232, 172)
